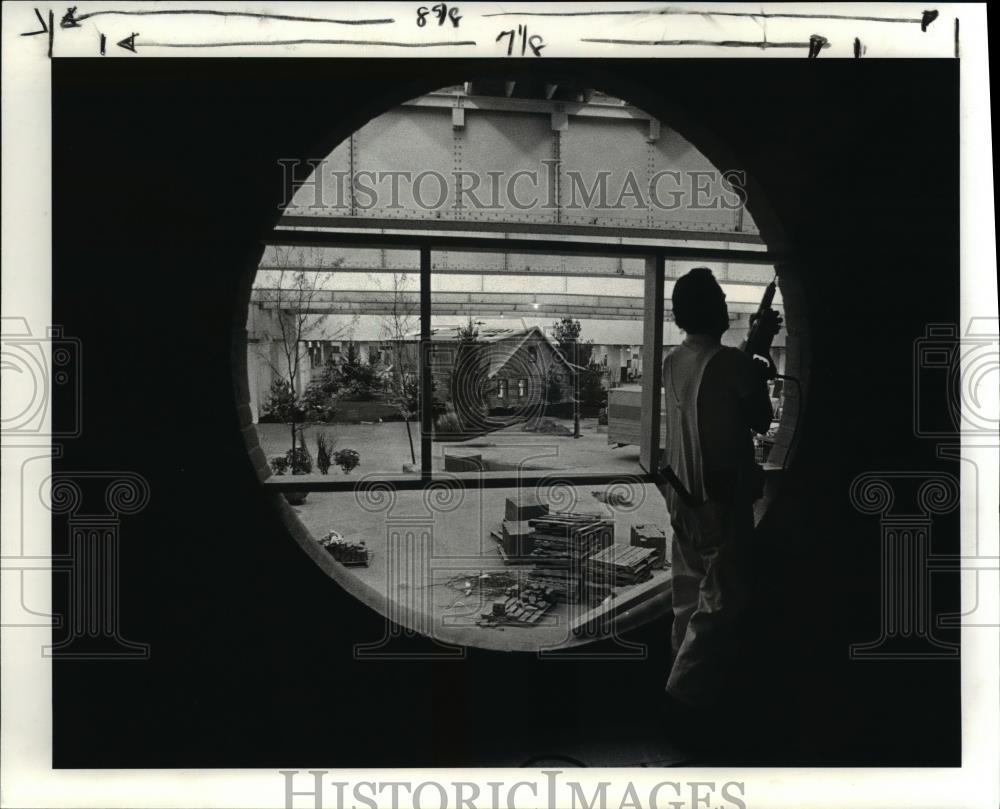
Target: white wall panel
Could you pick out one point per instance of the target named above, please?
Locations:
(593, 145)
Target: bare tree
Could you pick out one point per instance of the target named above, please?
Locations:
(299, 312)
(398, 328)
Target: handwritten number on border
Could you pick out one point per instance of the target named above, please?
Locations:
(442, 12)
(534, 43)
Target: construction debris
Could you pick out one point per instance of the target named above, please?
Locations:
(485, 584)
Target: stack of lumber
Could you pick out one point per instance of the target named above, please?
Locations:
(621, 565)
(519, 606)
(564, 537)
(651, 536)
(562, 542)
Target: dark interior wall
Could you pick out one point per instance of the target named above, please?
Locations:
(165, 173)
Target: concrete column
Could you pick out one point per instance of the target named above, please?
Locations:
(253, 379)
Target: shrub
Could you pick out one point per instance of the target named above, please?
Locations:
(316, 404)
(351, 378)
(593, 395)
(281, 405)
(279, 464)
(300, 460)
(346, 459)
(323, 447)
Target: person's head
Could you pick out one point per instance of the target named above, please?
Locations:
(700, 304)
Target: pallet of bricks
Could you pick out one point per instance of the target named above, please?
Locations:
(617, 565)
(520, 606)
(561, 542)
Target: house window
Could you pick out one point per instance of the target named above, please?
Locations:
(522, 388)
(501, 388)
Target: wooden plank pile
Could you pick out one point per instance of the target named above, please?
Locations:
(620, 565)
(519, 606)
(562, 542)
(651, 536)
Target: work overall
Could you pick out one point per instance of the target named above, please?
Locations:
(711, 535)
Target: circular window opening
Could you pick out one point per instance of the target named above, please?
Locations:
(453, 341)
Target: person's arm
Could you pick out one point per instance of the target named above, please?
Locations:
(768, 325)
(751, 390)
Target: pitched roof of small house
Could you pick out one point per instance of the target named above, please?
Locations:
(505, 342)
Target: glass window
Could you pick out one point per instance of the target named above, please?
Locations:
(520, 368)
(352, 390)
(472, 386)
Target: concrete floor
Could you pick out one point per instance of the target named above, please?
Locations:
(429, 556)
(433, 562)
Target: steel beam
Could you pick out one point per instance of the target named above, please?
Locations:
(537, 228)
(536, 105)
(323, 296)
(540, 247)
(378, 302)
(522, 274)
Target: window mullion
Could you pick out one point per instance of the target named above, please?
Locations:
(652, 351)
(426, 390)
